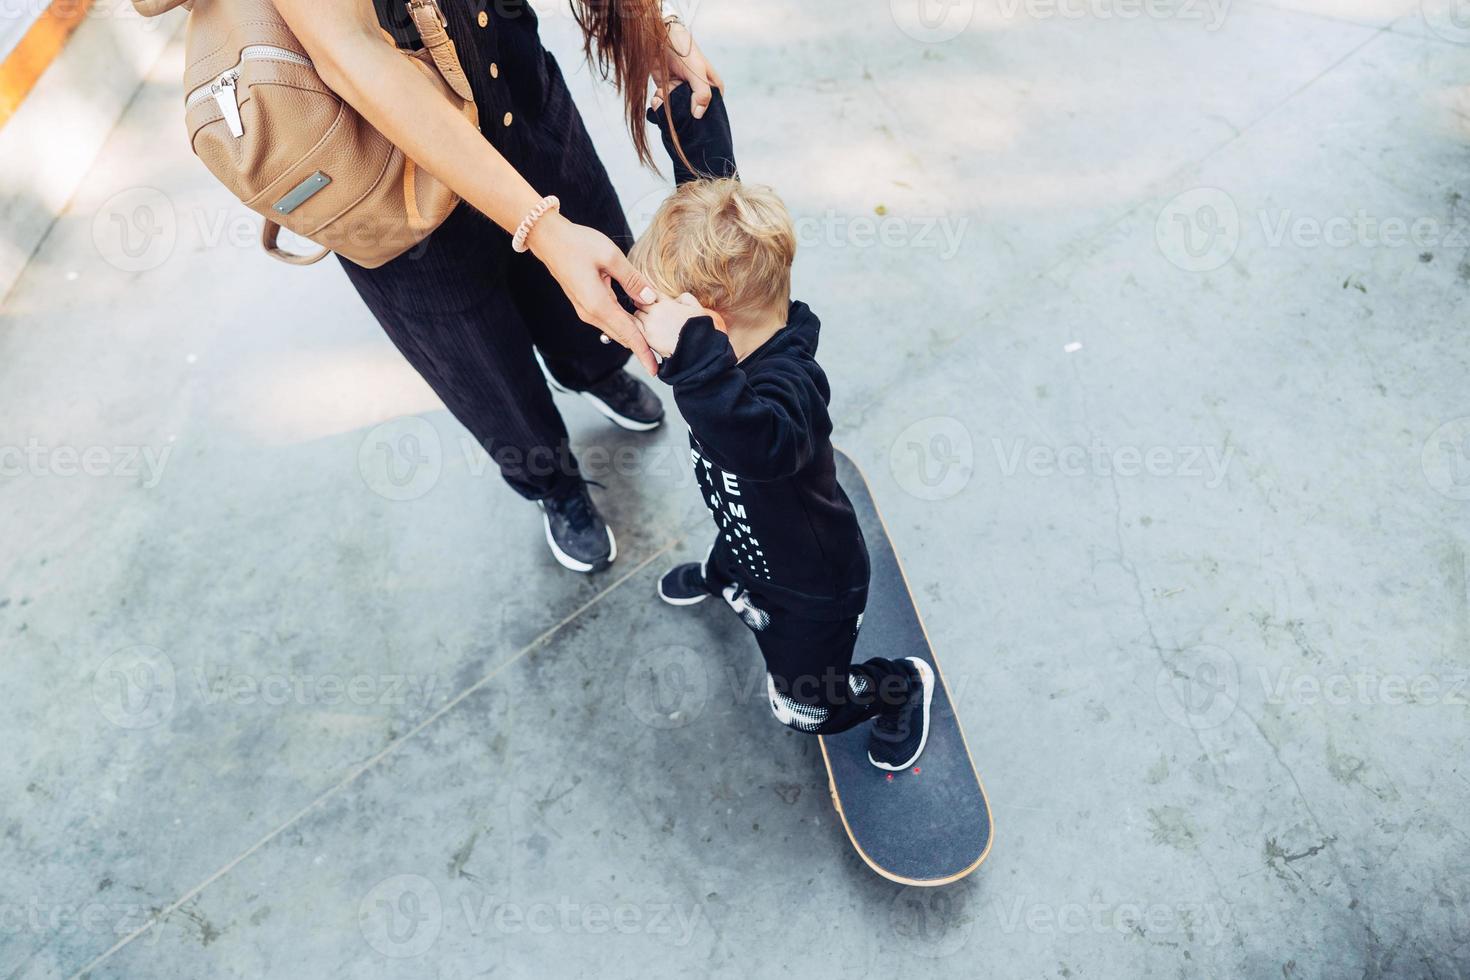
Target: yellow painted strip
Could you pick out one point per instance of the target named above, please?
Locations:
(35, 52)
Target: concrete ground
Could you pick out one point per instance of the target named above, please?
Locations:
(1147, 322)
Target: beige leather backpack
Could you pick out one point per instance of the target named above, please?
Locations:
(266, 125)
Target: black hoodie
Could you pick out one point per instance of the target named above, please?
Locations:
(759, 429)
(761, 441)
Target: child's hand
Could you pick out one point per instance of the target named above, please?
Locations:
(661, 321)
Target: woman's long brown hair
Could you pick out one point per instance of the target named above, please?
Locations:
(626, 40)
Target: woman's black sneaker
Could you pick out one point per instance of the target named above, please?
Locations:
(899, 734)
(630, 403)
(683, 585)
(579, 538)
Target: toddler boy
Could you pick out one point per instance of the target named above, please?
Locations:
(740, 355)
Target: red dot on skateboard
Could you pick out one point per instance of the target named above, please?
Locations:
(916, 770)
(890, 777)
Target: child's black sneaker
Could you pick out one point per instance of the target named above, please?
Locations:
(899, 733)
(683, 585)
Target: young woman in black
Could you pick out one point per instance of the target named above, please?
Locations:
(468, 311)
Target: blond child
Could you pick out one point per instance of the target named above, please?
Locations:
(789, 557)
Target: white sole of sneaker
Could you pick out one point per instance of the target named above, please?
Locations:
(692, 601)
(603, 408)
(621, 421)
(567, 561)
(927, 675)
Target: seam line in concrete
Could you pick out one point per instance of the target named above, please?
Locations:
(1182, 169)
(362, 768)
(1315, 15)
(1392, 27)
(1081, 248)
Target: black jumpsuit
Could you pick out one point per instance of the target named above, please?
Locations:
(466, 310)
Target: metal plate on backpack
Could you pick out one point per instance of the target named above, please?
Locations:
(301, 193)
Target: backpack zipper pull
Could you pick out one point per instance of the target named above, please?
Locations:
(228, 97)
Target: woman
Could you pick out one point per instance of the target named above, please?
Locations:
(467, 310)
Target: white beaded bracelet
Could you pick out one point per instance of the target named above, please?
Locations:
(547, 203)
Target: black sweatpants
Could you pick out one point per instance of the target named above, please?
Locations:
(812, 684)
(467, 311)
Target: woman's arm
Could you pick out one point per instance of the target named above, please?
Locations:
(685, 62)
(351, 55)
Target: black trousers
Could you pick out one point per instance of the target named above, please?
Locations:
(467, 311)
(811, 682)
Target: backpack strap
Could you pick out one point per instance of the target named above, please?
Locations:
(429, 20)
(269, 235)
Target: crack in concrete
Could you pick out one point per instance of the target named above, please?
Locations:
(1329, 842)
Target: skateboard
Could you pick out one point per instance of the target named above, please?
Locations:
(930, 824)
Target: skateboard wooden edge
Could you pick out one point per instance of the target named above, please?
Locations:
(894, 876)
(938, 672)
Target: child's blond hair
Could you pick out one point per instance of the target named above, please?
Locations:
(729, 244)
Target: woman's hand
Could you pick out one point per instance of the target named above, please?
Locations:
(684, 62)
(664, 320)
(585, 263)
